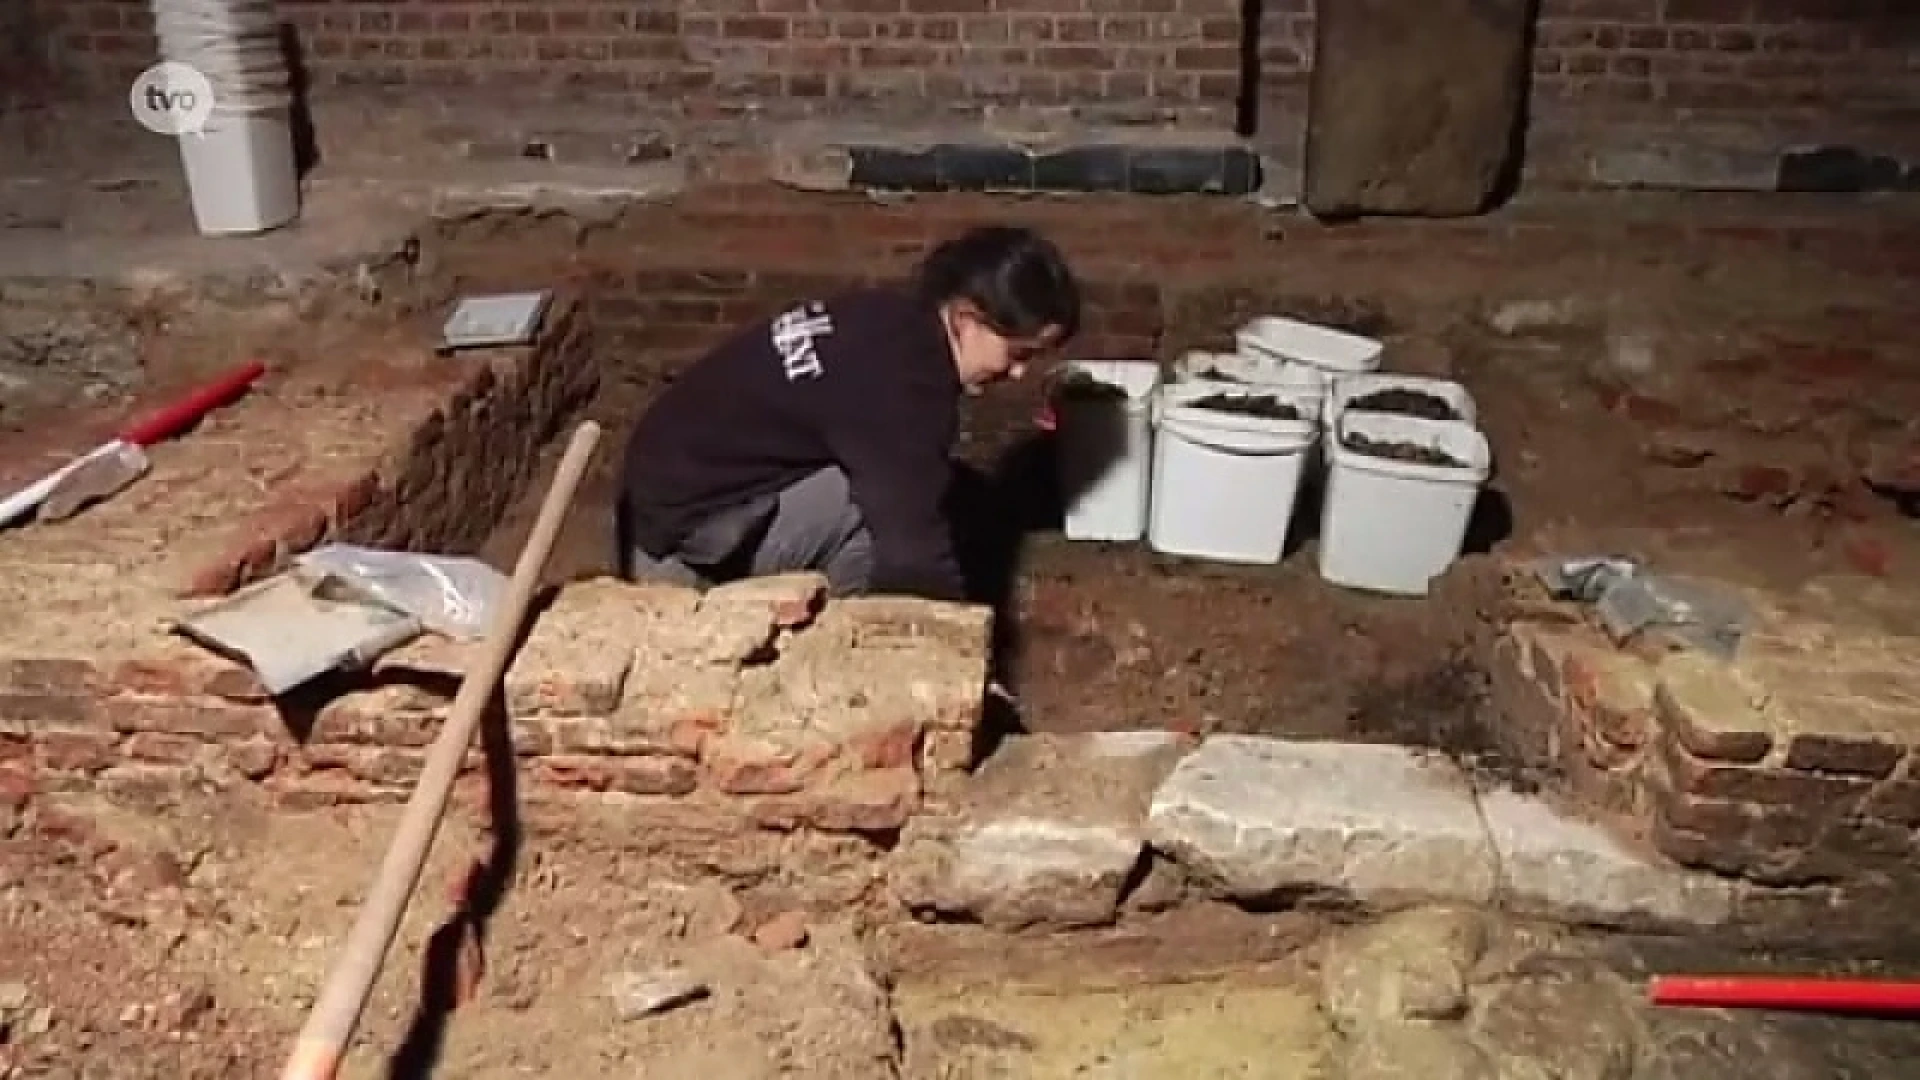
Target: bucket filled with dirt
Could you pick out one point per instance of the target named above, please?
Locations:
(1227, 464)
(1232, 370)
(1419, 396)
(1105, 446)
(1400, 492)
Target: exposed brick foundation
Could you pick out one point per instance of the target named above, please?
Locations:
(1719, 768)
(793, 711)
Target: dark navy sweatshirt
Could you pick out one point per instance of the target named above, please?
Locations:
(864, 380)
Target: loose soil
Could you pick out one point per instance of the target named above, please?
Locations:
(1216, 375)
(1413, 453)
(1080, 386)
(1262, 406)
(1405, 403)
(189, 944)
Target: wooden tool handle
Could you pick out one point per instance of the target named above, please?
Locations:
(336, 1012)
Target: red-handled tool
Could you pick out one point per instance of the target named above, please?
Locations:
(1801, 994)
(122, 452)
(183, 414)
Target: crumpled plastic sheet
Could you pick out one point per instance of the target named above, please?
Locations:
(451, 595)
(1628, 601)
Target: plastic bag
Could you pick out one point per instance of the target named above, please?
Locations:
(451, 595)
(1629, 600)
(1705, 618)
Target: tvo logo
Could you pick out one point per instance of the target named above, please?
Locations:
(171, 98)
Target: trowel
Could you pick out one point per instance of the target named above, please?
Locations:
(97, 476)
(109, 467)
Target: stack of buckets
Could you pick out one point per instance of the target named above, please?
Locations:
(1212, 484)
(240, 167)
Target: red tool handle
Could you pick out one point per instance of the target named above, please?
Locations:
(1760, 992)
(181, 415)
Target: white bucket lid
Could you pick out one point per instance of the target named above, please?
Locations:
(1323, 347)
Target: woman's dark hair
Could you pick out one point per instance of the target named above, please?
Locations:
(1016, 278)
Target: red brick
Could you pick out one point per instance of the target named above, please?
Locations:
(876, 801)
(31, 675)
(892, 747)
(145, 785)
(163, 749)
(642, 775)
(745, 766)
(29, 712)
(1862, 756)
(385, 767)
(397, 716)
(76, 751)
(1740, 836)
(1710, 711)
(325, 790)
(255, 758)
(1758, 783)
(206, 719)
(16, 788)
(1611, 693)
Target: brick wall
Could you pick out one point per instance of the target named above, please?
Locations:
(1847, 63)
(1805, 65)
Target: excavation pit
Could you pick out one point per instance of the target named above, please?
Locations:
(383, 442)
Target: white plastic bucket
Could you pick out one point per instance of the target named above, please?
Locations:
(1225, 484)
(1310, 351)
(1456, 396)
(1245, 371)
(241, 172)
(1105, 451)
(1392, 526)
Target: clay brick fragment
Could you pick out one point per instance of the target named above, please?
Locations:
(947, 749)
(577, 659)
(1711, 710)
(318, 792)
(1612, 693)
(739, 765)
(254, 758)
(1709, 779)
(673, 706)
(739, 621)
(146, 785)
(399, 715)
(1859, 755)
(875, 801)
(1850, 848)
(385, 767)
(1732, 837)
(35, 675)
(208, 719)
(24, 713)
(16, 788)
(1531, 725)
(641, 775)
(163, 749)
(76, 751)
(894, 746)
(603, 735)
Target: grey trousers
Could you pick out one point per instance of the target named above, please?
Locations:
(810, 525)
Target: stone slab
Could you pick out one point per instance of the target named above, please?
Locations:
(1413, 108)
(1557, 865)
(1049, 834)
(1261, 818)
